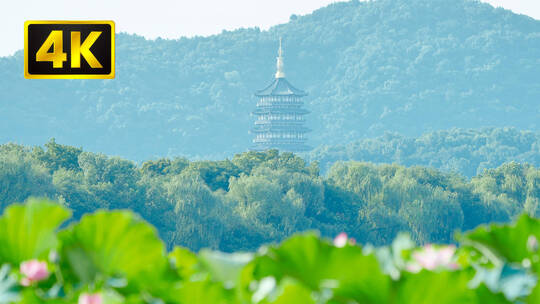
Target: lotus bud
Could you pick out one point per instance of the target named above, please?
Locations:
(341, 240)
(432, 258)
(532, 243)
(90, 298)
(33, 271)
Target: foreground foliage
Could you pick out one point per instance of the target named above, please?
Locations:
(115, 257)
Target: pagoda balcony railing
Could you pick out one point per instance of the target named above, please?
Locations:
(270, 110)
(279, 103)
(280, 121)
(281, 98)
(280, 129)
(279, 141)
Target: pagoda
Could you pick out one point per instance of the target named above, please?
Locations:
(280, 115)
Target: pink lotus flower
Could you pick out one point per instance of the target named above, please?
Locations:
(33, 271)
(432, 258)
(90, 298)
(341, 240)
(532, 243)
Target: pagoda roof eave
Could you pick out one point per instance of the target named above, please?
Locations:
(280, 87)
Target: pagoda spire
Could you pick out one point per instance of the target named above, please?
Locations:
(280, 73)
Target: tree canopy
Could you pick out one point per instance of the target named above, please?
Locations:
(264, 197)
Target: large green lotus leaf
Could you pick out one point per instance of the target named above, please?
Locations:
(30, 296)
(294, 293)
(28, 231)
(534, 297)
(184, 261)
(508, 242)
(114, 244)
(447, 287)
(224, 267)
(205, 292)
(290, 291)
(319, 265)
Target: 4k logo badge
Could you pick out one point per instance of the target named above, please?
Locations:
(68, 49)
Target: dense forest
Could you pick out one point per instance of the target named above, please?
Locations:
(465, 151)
(264, 197)
(411, 66)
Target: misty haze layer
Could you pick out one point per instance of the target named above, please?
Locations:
(404, 66)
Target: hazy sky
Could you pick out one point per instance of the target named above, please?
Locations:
(172, 19)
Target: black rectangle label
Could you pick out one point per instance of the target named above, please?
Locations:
(69, 49)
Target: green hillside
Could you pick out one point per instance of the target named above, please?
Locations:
(465, 151)
(369, 67)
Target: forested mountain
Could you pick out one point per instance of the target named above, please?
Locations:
(410, 66)
(464, 151)
(257, 198)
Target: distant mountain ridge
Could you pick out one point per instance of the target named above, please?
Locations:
(468, 152)
(369, 67)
